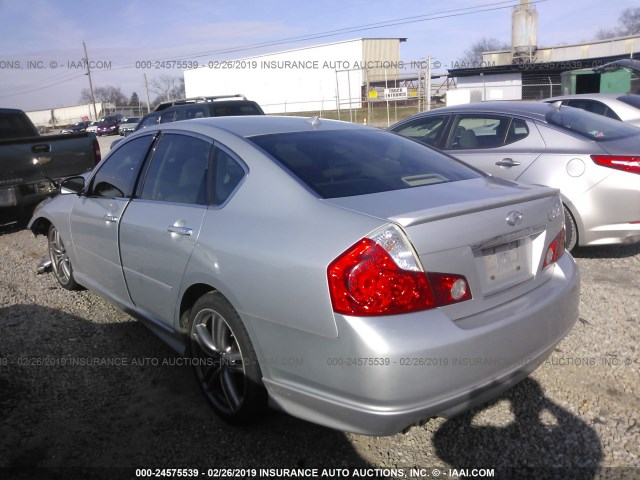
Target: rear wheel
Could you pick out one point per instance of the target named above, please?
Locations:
(224, 361)
(572, 232)
(60, 263)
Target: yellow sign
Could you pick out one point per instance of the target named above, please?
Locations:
(373, 94)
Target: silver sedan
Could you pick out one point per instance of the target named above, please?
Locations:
(593, 160)
(343, 274)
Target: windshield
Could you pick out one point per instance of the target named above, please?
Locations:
(590, 125)
(345, 163)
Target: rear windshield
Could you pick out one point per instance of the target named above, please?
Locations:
(236, 108)
(590, 125)
(346, 163)
(15, 125)
(633, 100)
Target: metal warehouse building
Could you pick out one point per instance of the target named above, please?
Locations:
(317, 78)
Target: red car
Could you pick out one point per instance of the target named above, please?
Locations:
(109, 125)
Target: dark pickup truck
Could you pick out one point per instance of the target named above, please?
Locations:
(32, 165)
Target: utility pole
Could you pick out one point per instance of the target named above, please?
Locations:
(428, 81)
(93, 99)
(146, 88)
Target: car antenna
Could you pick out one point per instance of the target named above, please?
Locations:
(313, 121)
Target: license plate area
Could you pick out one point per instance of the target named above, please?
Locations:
(505, 265)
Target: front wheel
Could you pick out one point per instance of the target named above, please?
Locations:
(224, 361)
(60, 263)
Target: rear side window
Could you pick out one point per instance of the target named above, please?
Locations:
(592, 126)
(345, 163)
(227, 176)
(178, 171)
(593, 106)
(485, 131)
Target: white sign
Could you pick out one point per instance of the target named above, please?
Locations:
(396, 93)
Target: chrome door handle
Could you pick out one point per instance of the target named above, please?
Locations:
(180, 230)
(507, 162)
(110, 218)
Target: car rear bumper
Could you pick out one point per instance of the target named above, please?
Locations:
(26, 194)
(384, 374)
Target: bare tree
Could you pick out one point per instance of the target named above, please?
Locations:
(628, 24)
(109, 94)
(167, 88)
(473, 56)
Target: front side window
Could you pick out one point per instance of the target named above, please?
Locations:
(345, 163)
(425, 130)
(167, 117)
(117, 175)
(148, 121)
(178, 171)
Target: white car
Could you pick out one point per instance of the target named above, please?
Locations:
(93, 127)
(619, 106)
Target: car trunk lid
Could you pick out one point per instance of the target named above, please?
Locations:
(494, 233)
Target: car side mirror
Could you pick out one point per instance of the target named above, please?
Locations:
(72, 185)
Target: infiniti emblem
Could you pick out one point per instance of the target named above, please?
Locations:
(514, 218)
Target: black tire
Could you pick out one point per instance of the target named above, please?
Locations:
(571, 239)
(60, 263)
(224, 361)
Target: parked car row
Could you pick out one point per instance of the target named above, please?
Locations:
(198, 107)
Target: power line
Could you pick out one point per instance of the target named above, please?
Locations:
(315, 36)
(359, 28)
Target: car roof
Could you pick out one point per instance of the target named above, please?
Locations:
(252, 125)
(532, 110)
(594, 96)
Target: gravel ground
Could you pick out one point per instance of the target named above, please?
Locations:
(579, 409)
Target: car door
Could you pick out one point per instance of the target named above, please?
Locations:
(95, 219)
(161, 225)
(500, 145)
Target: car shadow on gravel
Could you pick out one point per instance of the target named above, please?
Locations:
(607, 251)
(540, 440)
(82, 399)
(14, 219)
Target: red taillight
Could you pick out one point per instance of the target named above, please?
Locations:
(366, 280)
(619, 162)
(96, 151)
(555, 250)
